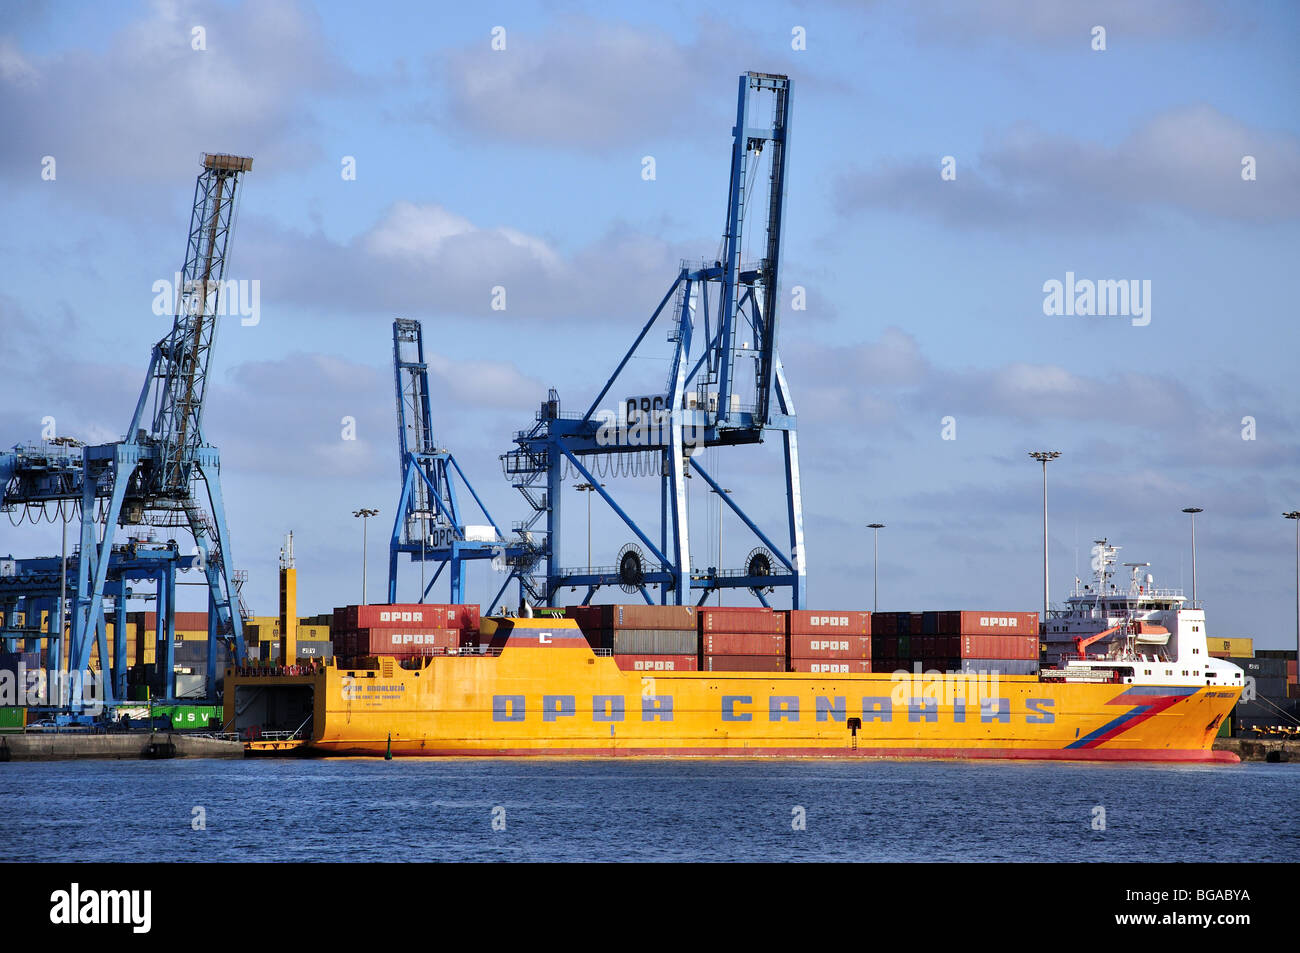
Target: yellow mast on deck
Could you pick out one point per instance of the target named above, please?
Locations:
(288, 604)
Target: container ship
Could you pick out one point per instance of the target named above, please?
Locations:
(674, 681)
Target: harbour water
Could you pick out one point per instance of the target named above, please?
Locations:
(648, 810)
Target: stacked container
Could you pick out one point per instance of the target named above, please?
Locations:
(1270, 675)
(404, 630)
(965, 641)
(829, 642)
(1230, 648)
(642, 638)
(742, 639)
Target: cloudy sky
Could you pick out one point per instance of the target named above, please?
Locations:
(522, 168)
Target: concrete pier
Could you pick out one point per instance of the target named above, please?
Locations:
(1260, 749)
(67, 746)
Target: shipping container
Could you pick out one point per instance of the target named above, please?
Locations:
(190, 621)
(1239, 648)
(822, 666)
(657, 663)
(408, 615)
(742, 643)
(986, 623)
(634, 616)
(404, 641)
(1000, 646)
(1001, 666)
(744, 663)
(741, 620)
(829, 622)
(13, 718)
(1270, 687)
(646, 641)
(315, 650)
(1262, 667)
(884, 623)
(828, 646)
(1275, 653)
(884, 646)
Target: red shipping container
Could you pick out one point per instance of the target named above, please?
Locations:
(914, 621)
(183, 621)
(828, 646)
(839, 622)
(988, 623)
(739, 619)
(742, 643)
(395, 641)
(884, 623)
(634, 616)
(821, 666)
(414, 615)
(744, 663)
(657, 663)
(999, 646)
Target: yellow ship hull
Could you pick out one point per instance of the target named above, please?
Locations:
(567, 701)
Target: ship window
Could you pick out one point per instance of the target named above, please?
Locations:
(1146, 672)
(1196, 651)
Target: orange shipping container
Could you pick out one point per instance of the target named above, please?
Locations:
(405, 641)
(742, 643)
(821, 666)
(838, 622)
(829, 646)
(744, 663)
(744, 620)
(657, 663)
(999, 646)
(988, 623)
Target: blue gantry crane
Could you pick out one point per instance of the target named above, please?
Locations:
(725, 388)
(150, 478)
(429, 525)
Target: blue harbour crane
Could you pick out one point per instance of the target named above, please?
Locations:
(429, 525)
(725, 388)
(163, 473)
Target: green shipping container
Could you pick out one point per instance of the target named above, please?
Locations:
(189, 716)
(13, 718)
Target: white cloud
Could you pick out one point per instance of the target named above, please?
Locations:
(1187, 159)
(594, 83)
(131, 109)
(422, 259)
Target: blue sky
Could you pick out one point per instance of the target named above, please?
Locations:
(522, 168)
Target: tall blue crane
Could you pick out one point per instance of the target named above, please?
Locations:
(151, 477)
(430, 522)
(725, 388)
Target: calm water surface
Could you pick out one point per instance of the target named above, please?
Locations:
(724, 810)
